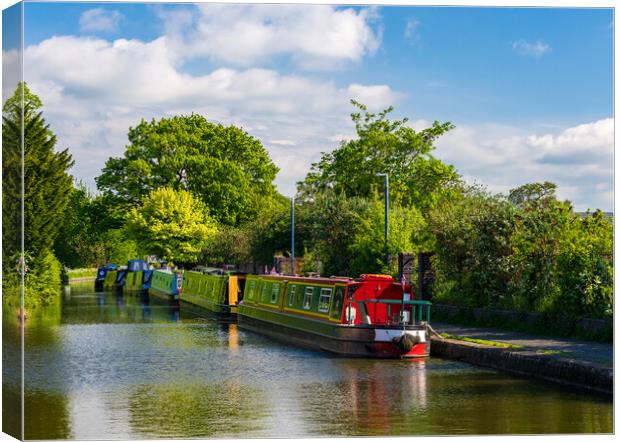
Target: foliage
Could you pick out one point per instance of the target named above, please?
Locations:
(271, 232)
(76, 244)
(528, 252)
(367, 247)
(41, 281)
(311, 263)
(118, 248)
(384, 146)
(172, 224)
(226, 168)
(46, 181)
(585, 267)
(473, 235)
(562, 262)
(82, 273)
(230, 245)
(88, 236)
(330, 222)
(532, 193)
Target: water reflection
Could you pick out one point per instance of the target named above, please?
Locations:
(114, 366)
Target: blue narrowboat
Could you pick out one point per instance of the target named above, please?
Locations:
(101, 275)
(136, 276)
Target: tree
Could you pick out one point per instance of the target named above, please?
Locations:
(172, 224)
(231, 245)
(330, 223)
(367, 247)
(46, 181)
(75, 242)
(226, 168)
(88, 237)
(383, 146)
(532, 192)
(473, 234)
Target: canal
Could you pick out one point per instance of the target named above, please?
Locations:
(102, 366)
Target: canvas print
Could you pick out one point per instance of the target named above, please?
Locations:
(228, 220)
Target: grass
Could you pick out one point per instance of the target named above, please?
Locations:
(82, 273)
(555, 352)
(482, 341)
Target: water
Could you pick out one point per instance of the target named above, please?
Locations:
(102, 366)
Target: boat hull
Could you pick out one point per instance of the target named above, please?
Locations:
(220, 309)
(162, 293)
(340, 339)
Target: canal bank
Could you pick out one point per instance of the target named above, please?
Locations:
(582, 364)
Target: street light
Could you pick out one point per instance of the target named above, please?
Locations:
(386, 197)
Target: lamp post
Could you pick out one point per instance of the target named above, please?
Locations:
(387, 202)
(293, 235)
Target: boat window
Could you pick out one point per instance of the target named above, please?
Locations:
(250, 290)
(291, 295)
(324, 299)
(275, 291)
(263, 293)
(336, 309)
(308, 298)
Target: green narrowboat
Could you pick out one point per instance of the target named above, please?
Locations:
(166, 283)
(373, 316)
(217, 293)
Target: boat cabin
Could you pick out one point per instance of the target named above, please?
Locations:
(371, 299)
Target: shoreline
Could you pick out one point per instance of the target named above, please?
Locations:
(571, 372)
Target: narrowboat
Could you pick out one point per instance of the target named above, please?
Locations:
(219, 293)
(167, 283)
(136, 276)
(373, 316)
(101, 275)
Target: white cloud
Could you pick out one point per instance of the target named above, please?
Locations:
(112, 85)
(579, 159)
(374, 96)
(314, 36)
(590, 139)
(411, 31)
(537, 49)
(11, 72)
(100, 20)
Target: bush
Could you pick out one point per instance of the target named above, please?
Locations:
(528, 252)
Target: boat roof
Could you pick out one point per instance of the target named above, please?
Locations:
(310, 279)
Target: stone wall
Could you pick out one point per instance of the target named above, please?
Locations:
(566, 371)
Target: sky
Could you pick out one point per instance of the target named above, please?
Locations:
(529, 90)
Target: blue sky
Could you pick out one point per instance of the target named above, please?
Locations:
(529, 89)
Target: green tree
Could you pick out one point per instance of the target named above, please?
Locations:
(384, 146)
(474, 234)
(270, 232)
(75, 244)
(226, 168)
(532, 192)
(230, 245)
(172, 224)
(329, 223)
(46, 181)
(585, 267)
(407, 232)
(89, 235)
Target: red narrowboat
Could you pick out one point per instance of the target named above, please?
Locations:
(373, 316)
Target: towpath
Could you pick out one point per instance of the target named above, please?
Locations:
(582, 364)
(587, 351)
